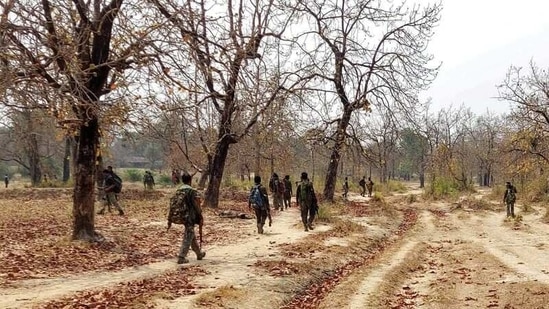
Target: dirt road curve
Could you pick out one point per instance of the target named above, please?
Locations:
(403, 255)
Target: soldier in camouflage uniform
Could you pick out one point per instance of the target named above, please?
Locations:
(194, 217)
(263, 211)
(307, 202)
(509, 198)
(287, 192)
(277, 188)
(148, 181)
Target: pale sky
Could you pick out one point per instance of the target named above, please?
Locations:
(477, 41)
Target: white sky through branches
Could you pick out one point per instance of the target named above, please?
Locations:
(477, 41)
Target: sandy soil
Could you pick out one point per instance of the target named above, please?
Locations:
(454, 257)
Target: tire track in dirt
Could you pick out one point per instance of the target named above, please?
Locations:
(221, 261)
(316, 293)
(359, 289)
(522, 251)
(476, 261)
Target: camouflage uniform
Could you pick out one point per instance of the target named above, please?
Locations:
(194, 217)
(148, 180)
(111, 197)
(261, 213)
(345, 188)
(362, 184)
(278, 193)
(307, 202)
(287, 192)
(370, 186)
(509, 198)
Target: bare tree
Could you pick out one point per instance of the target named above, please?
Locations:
(227, 45)
(75, 52)
(529, 95)
(366, 54)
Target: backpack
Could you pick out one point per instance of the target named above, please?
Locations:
(179, 207)
(148, 178)
(510, 196)
(279, 186)
(117, 183)
(306, 193)
(287, 186)
(362, 182)
(256, 198)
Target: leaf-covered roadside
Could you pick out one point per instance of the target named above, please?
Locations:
(312, 294)
(35, 234)
(138, 293)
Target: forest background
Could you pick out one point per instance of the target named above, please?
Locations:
(229, 90)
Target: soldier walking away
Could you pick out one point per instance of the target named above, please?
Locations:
(345, 188)
(362, 184)
(259, 201)
(307, 202)
(194, 217)
(277, 188)
(6, 180)
(370, 186)
(112, 184)
(288, 192)
(509, 198)
(148, 181)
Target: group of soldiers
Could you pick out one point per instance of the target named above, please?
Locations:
(282, 193)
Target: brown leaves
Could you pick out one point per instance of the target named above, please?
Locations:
(35, 238)
(312, 295)
(134, 293)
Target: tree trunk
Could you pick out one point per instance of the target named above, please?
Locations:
(34, 161)
(216, 172)
(67, 159)
(331, 174)
(203, 179)
(84, 182)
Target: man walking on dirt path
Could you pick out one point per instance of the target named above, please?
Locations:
(307, 202)
(259, 200)
(362, 184)
(6, 180)
(288, 192)
(345, 188)
(194, 217)
(277, 188)
(369, 186)
(509, 198)
(111, 198)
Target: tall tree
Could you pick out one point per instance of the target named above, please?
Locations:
(227, 44)
(366, 54)
(76, 52)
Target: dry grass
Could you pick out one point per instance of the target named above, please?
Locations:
(219, 297)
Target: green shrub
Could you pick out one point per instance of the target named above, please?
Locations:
(442, 188)
(326, 213)
(163, 179)
(133, 175)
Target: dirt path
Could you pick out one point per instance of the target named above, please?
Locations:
(454, 260)
(451, 258)
(227, 265)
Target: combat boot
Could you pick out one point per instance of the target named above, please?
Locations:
(182, 260)
(200, 255)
